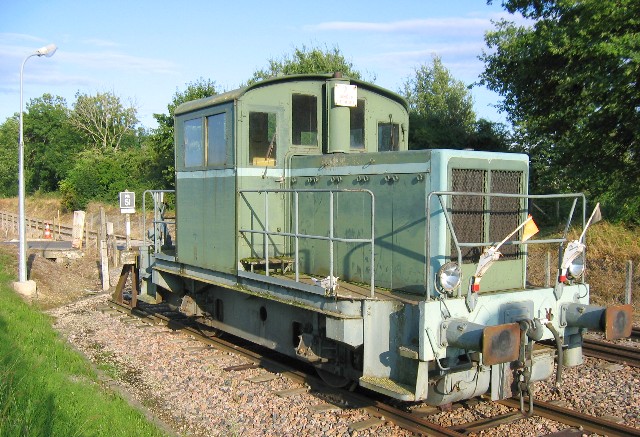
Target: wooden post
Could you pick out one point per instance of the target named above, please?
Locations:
(112, 245)
(629, 283)
(59, 227)
(104, 262)
(547, 270)
(86, 236)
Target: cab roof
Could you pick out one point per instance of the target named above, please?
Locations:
(230, 96)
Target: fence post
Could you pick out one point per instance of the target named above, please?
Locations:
(547, 270)
(629, 283)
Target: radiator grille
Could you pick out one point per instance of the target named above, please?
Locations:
(505, 212)
(467, 211)
(478, 219)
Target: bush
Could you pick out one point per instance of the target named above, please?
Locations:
(100, 176)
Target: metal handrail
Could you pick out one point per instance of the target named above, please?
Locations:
(297, 235)
(458, 245)
(157, 219)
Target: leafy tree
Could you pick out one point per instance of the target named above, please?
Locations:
(101, 176)
(51, 143)
(9, 157)
(440, 107)
(491, 137)
(161, 142)
(571, 87)
(305, 60)
(104, 120)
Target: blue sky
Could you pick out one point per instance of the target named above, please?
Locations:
(144, 51)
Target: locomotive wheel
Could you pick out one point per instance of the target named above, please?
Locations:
(333, 380)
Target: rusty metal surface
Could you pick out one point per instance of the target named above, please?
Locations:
(618, 321)
(500, 343)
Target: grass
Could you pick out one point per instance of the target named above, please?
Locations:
(48, 389)
(609, 247)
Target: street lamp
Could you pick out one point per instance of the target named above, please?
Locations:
(47, 51)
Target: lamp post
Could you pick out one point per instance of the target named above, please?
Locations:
(47, 51)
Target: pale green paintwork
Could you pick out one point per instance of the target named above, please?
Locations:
(211, 213)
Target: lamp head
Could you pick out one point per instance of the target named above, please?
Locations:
(47, 51)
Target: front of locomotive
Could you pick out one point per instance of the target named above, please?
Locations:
(482, 317)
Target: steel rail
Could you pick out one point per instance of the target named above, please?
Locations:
(576, 419)
(406, 420)
(612, 352)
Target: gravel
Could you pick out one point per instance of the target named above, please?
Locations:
(185, 386)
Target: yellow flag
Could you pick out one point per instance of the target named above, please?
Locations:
(530, 229)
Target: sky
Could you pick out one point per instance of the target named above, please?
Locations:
(145, 51)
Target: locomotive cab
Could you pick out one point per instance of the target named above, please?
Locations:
(304, 224)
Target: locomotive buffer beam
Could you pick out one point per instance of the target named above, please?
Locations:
(498, 344)
(615, 321)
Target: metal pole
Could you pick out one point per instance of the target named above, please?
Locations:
(127, 228)
(547, 270)
(22, 247)
(331, 241)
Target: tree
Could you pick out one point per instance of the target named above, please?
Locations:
(51, 143)
(490, 137)
(307, 60)
(440, 108)
(571, 87)
(9, 157)
(103, 119)
(161, 143)
(101, 176)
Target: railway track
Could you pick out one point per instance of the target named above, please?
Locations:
(576, 419)
(405, 420)
(411, 421)
(612, 352)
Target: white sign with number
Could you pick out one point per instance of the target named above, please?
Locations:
(127, 202)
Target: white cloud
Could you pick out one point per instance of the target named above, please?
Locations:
(427, 25)
(103, 43)
(114, 62)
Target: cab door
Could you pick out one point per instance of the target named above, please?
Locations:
(261, 167)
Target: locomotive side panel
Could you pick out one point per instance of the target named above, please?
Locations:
(399, 185)
(206, 186)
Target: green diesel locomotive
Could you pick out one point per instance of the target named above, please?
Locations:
(304, 224)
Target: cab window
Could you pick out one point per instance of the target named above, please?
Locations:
(193, 143)
(388, 136)
(356, 132)
(262, 138)
(304, 120)
(216, 140)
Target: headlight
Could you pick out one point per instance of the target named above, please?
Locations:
(448, 277)
(576, 268)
